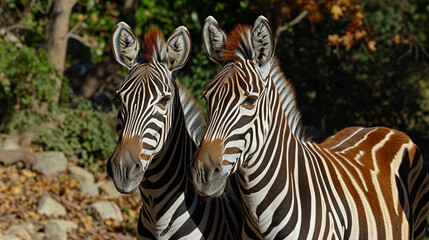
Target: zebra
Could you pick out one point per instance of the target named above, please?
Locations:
(361, 183)
(159, 127)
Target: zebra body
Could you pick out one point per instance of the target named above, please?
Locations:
(362, 183)
(159, 125)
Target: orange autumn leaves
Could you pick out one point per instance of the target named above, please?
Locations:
(346, 13)
(356, 30)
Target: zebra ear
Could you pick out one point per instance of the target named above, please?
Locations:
(125, 45)
(179, 45)
(214, 39)
(262, 40)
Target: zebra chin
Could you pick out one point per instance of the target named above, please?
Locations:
(208, 188)
(126, 187)
(126, 175)
(211, 189)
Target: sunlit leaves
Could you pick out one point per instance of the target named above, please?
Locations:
(20, 190)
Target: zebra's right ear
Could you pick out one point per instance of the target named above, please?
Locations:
(125, 45)
(214, 39)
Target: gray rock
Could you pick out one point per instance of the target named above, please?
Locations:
(40, 236)
(108, 187)
(68, 226)
(50, 163)
(81, 174)
(9, 237)
(104, 210)
(90, 188)
(50, 207)
(8, 144)
(20, 231)
(53, 230)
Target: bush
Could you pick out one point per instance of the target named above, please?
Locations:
(85, 131)
(73, 126)
(26, 79)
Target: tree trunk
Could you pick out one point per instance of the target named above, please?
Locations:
(57, 36)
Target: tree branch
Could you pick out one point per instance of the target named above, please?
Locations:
(296, 20)
(75, 27)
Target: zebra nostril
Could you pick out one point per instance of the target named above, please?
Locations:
(137, 166)
(214, 173)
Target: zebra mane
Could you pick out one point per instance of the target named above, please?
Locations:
(287, 96)
(193, 114)
(154, 45)
(239, 46)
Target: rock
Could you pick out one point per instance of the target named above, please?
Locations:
(54, 230)
(90, 188)
(40, 236)
(81, 174)
(50, 163)
(21, 231)
(66, 225)
(50, 207)
(8, 144)
(8, 237)
(108, 187)
(104, 210)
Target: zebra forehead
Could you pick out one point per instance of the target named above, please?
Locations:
(238, 73)
(147, 76)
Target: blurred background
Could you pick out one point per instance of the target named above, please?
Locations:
(352, 63)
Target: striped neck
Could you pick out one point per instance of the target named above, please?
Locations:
(279, 165)
(167, 171)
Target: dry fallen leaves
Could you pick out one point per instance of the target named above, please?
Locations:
(20, 190)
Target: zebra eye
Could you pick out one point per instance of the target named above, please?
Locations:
(164, 100)
(250, 100)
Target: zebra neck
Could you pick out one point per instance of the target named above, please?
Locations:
(272, 180)
(165, 180)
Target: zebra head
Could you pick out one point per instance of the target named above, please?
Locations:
(237, 102)
(146, 99)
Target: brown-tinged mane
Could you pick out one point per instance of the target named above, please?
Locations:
(238, 43)
(152, 43)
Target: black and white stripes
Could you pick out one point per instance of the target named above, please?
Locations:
(362, 183)
(159, 127)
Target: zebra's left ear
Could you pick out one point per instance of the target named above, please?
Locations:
(179, 45)
(125, 45)
(262, 41)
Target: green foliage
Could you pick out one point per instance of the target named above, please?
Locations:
(26, 79)
(27, 88)
(95, 21)
(202, 72)
(83, 131)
